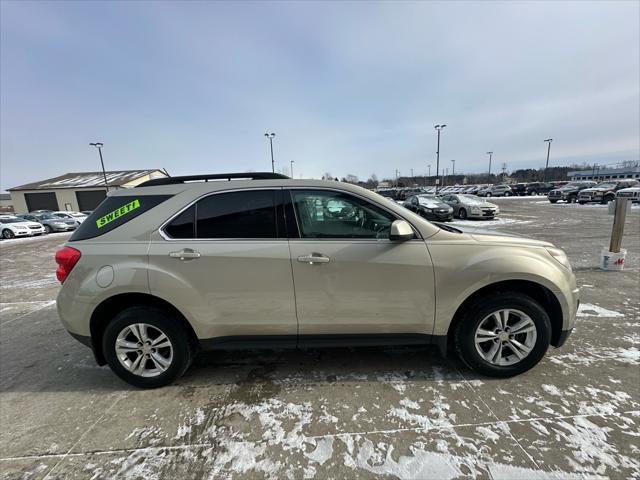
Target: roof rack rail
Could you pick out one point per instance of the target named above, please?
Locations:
(216, 176)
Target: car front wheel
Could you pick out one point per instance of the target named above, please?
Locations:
(147, 347)
(6, 233)
(462, 213)
(503, 334)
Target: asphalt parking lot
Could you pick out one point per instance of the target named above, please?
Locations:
(332, 413)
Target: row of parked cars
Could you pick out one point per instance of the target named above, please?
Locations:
(502, 190)
(592, 192)
(39, 222)
(443, 208)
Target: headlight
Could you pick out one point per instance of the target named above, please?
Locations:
(475, 209)
(560, 257)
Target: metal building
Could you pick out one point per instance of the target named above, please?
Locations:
(77, 191)
(602, 173)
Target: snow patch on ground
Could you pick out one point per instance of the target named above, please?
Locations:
(589, 310)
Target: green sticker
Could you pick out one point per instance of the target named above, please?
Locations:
(117, 213)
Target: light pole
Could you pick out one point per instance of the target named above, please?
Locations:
(548, 140)
(490, 156)
(412, 182)
(270, 137)
(453, 170)
(292, 161)
(438, 128)
(99, 146)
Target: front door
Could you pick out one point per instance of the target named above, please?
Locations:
(349, 277)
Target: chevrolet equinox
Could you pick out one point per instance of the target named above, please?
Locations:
(181, 264)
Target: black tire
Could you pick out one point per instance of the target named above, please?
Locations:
(462, 214)
(608, 198)
(488, 194)
(581, 203)
(47, 229)
(183, 350)
(478, 310)
(553, 201)
(8, 234)
(507, 194)
(533, 193)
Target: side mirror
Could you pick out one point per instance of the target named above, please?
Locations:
(401, 231)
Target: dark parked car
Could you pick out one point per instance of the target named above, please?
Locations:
(496, 191)
(538, 188)
(429, 207)
(51, 222)
(568, 192)
(519, 189)
(604, 192)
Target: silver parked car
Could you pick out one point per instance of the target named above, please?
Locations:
(51, 223)
(495, 191)
(470, 206)
(174, 266)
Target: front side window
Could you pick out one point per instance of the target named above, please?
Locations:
(328, 214)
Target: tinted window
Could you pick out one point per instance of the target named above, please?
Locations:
(183, 226)
(246, 214)
(112, 213)
(326, 214)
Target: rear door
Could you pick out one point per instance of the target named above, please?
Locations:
(350, 278)
(225, 262)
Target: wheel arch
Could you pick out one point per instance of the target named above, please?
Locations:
(536, 291)
(115, 304)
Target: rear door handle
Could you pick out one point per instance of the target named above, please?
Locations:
(185, 254)
(314, 258)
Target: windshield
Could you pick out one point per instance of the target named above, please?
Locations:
(47, 216)
(11, 220)
(471, 199)
(606, 185)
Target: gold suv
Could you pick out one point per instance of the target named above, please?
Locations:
(176, 265)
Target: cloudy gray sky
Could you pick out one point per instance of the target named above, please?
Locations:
(347, 87)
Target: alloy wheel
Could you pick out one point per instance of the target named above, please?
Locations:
(505, 337)
(144, 350)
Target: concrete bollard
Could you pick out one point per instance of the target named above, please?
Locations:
(613, 259)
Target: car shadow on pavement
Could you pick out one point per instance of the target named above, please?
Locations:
(76, 370)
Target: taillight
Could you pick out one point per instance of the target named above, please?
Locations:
(66, 258)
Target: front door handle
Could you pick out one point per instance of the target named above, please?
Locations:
(185, 254)
(313, 258)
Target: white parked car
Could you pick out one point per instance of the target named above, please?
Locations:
(77, 216)
(11, 227)
(632, 193)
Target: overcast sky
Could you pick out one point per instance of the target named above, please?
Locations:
(347, 87)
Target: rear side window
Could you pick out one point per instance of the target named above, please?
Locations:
(114, 212)
(243, 214)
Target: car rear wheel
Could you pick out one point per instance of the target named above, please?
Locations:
(488, 194)
(533, 193)
(47, 229)
(462, 213)
(608, 198)
(6, 233)
(507, 194)
(553, 201)
(503, 335)
(147, 347)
